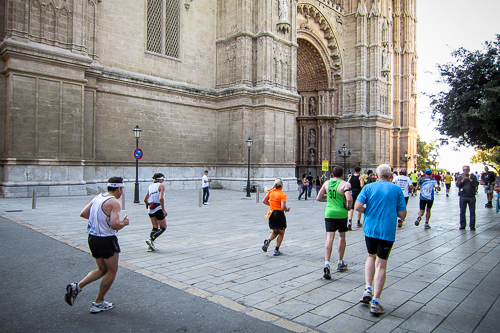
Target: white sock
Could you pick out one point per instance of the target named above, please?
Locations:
(368, 287)
(327, 263)
(376, 300)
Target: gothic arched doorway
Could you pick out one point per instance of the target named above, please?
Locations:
(316, 109)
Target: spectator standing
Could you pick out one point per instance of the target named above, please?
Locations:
(488, 180)
(384, 204)
(317, 184)
(205, 185)
(467, 184)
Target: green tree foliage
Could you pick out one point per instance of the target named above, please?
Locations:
(489, 157)
(469, 113)
(427, 155)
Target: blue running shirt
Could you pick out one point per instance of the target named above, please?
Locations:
(427, 184)
(383, 202)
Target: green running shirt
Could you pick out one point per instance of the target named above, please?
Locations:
(335, 202)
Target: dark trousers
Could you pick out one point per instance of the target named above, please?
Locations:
(309, 190)
(471, 202)
(206, 194)
(304, 190)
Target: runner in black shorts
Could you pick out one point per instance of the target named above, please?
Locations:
(382, 248)
(357, 182)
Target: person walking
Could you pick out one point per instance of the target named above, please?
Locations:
(414, 181)
(357, 182)
(447, 182)
(205, 183)
(384, 204)
(310, 179)
(467, 184)
(276, 200)
(155, 202)
(317, 184)
(304, 186)
(336, 191)
(426, 185)
(488, 180)
(103, 215)
(405, 184)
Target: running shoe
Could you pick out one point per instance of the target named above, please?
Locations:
(359, 225)
(427, 226)
(341, 266)
(151, 245)
(417, 222)
(400, 223)
(367, 296)
(72, 291)
(266, 245)
(277, 253)
(376, 308)
(349, 226)
(100, 307)
(326, 272)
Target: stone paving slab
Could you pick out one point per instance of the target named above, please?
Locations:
(436, 278)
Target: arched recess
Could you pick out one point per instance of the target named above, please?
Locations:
(319, 75)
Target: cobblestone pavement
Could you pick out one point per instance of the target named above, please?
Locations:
(438, 280)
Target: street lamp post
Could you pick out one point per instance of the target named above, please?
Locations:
(137, 135)
(405, 159)
(249, 144)
(344, 154)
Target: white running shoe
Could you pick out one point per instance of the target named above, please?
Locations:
(151, 245)
(100, 307)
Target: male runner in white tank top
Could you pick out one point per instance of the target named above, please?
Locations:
(103, 213)
(155, 202)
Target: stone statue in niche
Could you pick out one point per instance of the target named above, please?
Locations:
(385, 60)
(312, 156)
(312, 106)
(312, 137)
(283, 14)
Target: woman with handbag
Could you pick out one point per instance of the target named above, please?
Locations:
(305, 185)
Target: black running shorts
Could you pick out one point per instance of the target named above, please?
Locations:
(103, 247)
(158, 214)
(332, 225)
(427, 203)
(381, 248)
(277, 220)
(448, 186)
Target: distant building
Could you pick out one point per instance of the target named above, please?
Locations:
(300, 78)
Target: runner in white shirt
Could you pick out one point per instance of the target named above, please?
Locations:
(405, 183)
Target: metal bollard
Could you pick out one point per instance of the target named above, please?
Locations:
(123, 200)
(200, 197)
(33, 202)
(257, 194)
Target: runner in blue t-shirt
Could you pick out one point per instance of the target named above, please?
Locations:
(385, 202)
(426, 184)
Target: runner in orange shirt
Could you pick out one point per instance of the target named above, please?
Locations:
(276, 200)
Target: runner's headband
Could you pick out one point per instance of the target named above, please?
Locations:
(160, 178)
(115, 185)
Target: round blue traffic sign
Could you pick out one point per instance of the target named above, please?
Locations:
(138, 154)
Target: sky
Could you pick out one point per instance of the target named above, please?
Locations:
(444, 26)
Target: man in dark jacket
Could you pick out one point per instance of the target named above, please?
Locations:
(467, 184)
(488, 180)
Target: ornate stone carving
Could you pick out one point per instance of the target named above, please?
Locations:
(312, 137)
(386, 62)
(283, 15)
(362, 11)
(312, 106)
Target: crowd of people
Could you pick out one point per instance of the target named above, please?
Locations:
(382, 197)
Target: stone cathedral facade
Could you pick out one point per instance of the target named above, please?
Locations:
(299, 77)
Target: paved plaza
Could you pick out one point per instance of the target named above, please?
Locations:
(439, 280)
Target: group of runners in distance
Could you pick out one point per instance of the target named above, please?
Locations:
(381, 197)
